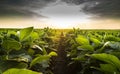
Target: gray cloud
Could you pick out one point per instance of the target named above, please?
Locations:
(77, 2)
(22, 7)
(100, 8)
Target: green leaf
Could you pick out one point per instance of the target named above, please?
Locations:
(116, 53)
(20, 71)
(11, 44)
(82, 40)
(37, 47)
(102, 48)
(41, 33)
(114, 45)
(108, 58)
(44, 51)
(108, 68)
(79, 58)
(31, 51)
(95, 41)
(5, 65)
(111, 38)
(52, 54)
(39, 59)
(85, 48)
(20, 58)
(34, 35)
(25, 33)
(11, 32)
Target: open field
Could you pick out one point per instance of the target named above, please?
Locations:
(59, 51)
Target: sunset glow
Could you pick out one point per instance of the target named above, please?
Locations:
(59, 23)
(59, 14)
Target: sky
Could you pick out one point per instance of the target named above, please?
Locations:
(84, 14)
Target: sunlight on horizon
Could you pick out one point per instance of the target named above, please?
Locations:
(59, 23)
(67, 16)
(65, 23)
(58, 15)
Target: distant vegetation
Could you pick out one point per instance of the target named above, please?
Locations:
(59, 51)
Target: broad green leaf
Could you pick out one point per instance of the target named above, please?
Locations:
(39, 59)
(5, 65)
(108, 68)
(95, 41)
(85, 48)
(114, 45)
(34, 35)
(82, 40)
(52, 54)
(11, 44)
(21, 65)
(41, 33)
(20, 71)
(11, 32)
(25, 33)
(108, 58)
(116, 53)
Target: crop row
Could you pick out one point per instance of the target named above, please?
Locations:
(50, 51)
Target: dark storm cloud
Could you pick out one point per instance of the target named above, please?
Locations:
(22, 7)
(77, 2)
(101, 8)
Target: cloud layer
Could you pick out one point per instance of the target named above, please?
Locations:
(22, 7)
(99, 8)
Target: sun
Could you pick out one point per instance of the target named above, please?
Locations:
(60, 24)
(64, 23)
